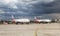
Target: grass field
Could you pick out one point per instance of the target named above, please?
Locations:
(52, 29)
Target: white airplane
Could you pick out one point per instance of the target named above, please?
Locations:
(42, 20)
(21, 20)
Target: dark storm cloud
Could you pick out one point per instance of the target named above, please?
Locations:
(53, 7)
(30, 7)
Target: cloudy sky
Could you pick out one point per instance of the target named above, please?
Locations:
(29, 7)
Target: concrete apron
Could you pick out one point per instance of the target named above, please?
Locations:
(39, 32)
(30, 30)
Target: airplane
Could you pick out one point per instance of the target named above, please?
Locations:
(36, 20)
(20, 20)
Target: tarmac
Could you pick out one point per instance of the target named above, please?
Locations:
(50, 29)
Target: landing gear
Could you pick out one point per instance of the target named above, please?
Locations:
(22, 23)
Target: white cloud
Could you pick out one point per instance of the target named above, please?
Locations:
(13, 5)
(2, 12)
(9, 1)
(20, 12)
